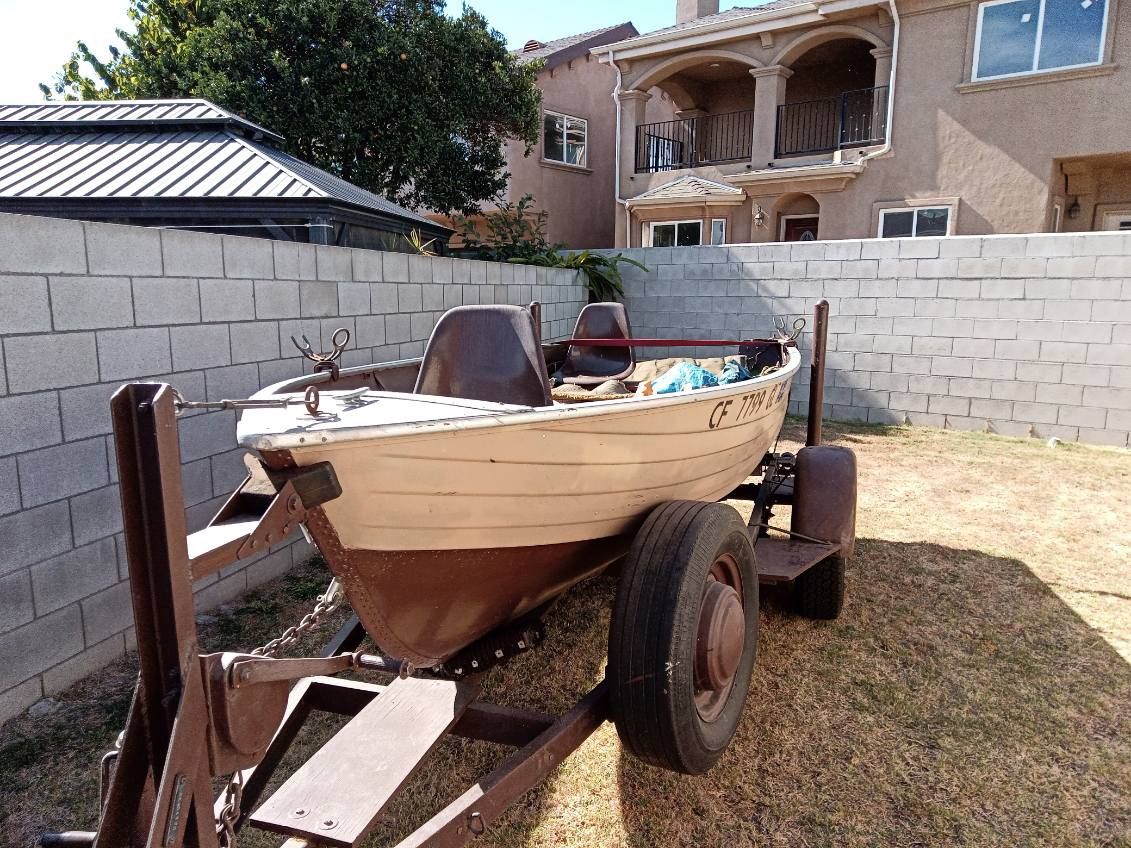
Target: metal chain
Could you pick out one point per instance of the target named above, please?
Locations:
(327, 602)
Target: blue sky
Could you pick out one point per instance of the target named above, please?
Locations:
(37, 36)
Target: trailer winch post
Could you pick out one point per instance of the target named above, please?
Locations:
(817, 373)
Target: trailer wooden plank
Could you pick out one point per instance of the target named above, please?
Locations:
(338, 794)
(782, 560)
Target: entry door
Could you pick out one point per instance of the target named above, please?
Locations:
(800, 229)
(1120, 220)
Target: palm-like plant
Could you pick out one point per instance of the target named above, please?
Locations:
(602, 273)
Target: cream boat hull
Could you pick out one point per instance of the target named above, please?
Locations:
(507, 506)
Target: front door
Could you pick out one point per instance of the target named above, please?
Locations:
(800, 229)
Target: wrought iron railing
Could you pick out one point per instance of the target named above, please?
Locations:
(688, 143)
(852, 119)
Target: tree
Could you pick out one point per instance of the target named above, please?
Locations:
(390, 94)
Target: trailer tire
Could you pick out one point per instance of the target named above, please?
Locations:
(684, 635)
(819, 592)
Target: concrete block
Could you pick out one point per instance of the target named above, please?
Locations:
(16, 605)
(208, 434)
(307, 262)
(248, 258)
(70, 356)
(937, 268)
(443, 273)
(318, 299)
(1019, 349)
(433, 297)
(47, 641)
(24, 305)
(1087, 375)
(1112, 310)
(1113, 266)
(1059, 393)
(918, 248)
(410, 297)
(944, 405)
(419, 269)
(353, 298)
(189, 254)
(453, 296)
(200, 346)
(891, 344)
(371, 330)
(1003, 289)
(395, 267)
(911, 364)
(75, 575)
(1036, 413)
(1108, 436)
(873, 362)
(41, 245)
(908, 402)
(965, 387)
(889, 382)
(932, 307)
(126, 251)
(917, 288)
(334, 263)
(951, 366)
(222, 591)
(955, 288)
(924, 385)
(29, 421)
(1024, 266)
(1083, 416)
(930, 346)
(1110, 354)
(420, 326)
(1072, 267)
(254, 341)
(383, 298)
(1096, 288)
(196, 478)
(976, 308)
(226, 300)
(34, 535)
(1063, 352)
(234, 381)
(1048, 331)
(96, 515)
(979, 268)
(228, 471)
(975, 348)
(82, 665)
(957, 328)
(991, 409)
(271, 567)
(166, 300)
(1111, 398)
(9, 486)
(1068, 310)
(108, 613)
(50, 474)
(88, 303)
(276, 299)
(1004, 246)
(879, 248)
(892, 269)
(995, 328)
(15, 700)
(285, 256)
(1039, 372)
(960, 246)
(367, 266)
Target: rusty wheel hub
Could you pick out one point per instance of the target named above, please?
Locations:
(721, 638)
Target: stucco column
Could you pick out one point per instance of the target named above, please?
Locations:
(769, 93)
(883, 65)
(632, 106)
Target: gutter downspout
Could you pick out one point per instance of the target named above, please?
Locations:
(616, 184)
(883, 151)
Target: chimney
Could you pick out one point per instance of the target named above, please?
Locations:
(689, 10)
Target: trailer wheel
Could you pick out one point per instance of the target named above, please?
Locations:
(819, 592)
(684, 635)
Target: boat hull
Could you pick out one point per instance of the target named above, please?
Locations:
(443, 535)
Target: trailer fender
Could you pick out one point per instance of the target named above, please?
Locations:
(824, 503)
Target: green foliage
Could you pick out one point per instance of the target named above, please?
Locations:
(602, 273)
(513, 231)
(389, 94)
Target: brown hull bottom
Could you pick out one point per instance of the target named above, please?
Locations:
(424, 606)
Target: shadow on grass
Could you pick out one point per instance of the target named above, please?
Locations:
(956, 701)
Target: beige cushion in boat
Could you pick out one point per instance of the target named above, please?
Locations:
(653, 368)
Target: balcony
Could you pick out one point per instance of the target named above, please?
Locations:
(691, 142)
(852, 119)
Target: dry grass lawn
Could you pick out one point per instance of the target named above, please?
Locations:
(976, 691)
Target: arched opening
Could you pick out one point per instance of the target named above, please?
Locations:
(797, 217)
(714, 97)
(834, 98)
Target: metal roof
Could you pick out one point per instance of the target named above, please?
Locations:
(124, 114)
(78, 155)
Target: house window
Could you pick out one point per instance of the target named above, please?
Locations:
(718, 230)
(564, 139)
(1026, 36)
(921, 221)
(677, 233)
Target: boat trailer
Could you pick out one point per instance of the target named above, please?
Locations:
(195, 717)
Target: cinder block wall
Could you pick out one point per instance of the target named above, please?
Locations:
(86, 307)
(1018, 335)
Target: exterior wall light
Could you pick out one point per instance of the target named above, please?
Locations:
(759, 216)
(1074, 209)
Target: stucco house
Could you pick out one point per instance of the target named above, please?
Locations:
(829, 119)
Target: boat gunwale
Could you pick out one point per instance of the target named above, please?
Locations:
(494, 414)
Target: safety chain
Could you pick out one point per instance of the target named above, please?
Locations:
(327, 602)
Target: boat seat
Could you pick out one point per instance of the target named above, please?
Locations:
(489, 353)
(591, 366)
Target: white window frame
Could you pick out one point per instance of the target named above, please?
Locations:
(1115, 214)
(974, 75)
(785, 218)
(1057, 216)
(653, 224)
(711, 234)
(915, 219)
(565, 139)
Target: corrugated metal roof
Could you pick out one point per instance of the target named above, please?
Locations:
(104, 161)
(120, 114)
